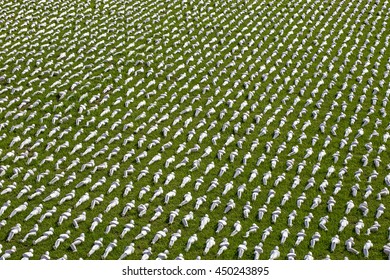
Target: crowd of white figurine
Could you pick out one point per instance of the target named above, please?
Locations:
(174, 129)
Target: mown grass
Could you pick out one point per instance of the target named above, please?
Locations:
(175, 16)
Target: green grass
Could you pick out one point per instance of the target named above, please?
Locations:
(147, 41)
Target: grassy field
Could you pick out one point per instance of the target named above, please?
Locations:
(213, 68)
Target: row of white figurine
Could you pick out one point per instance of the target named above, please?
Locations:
(223, 246)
